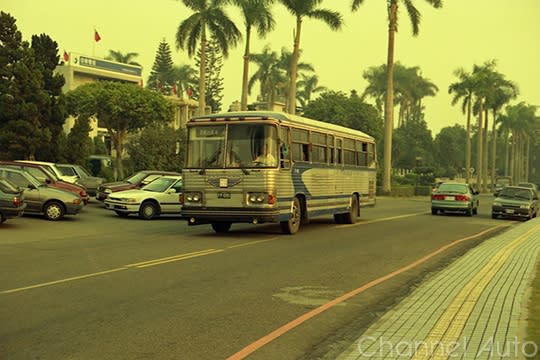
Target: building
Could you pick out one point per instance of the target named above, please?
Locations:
(79, 69)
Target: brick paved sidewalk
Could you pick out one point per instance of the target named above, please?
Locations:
(469, 310)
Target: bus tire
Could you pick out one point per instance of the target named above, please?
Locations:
(338, 218)
(221, 227)
(352, 215)
(292, 225)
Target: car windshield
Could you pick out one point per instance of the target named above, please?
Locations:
(159, 185)
(82, 171)
(527, 185)
(514, 193)
(66, 170)
(452, 188)
(136, 178)
(8, 187)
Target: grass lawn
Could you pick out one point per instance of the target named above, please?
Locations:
(533, 325)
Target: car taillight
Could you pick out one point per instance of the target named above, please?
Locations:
(76, 201)
(16, 201)
(462, 198)
(181, 199)
(437, 197)
(83, 193)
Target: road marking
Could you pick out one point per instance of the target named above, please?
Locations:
(251, 243)
(311, 314)
(383, 219)
(62, 281)
(451, 323)
(172, 258)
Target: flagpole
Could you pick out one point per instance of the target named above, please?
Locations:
(94, 43)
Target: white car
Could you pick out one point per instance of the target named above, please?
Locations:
(51, 167)
(161, 196)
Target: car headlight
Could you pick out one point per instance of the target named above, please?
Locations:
(496, 203)
(107, 191)
(128, 200)
(194, 197)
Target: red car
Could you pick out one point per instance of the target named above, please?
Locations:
(45, 177)
(134, 181)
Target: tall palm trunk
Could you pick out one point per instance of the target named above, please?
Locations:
(527, 154)
(506, 151)
(493, 150)
(513, 156)
(479, 147)
(294, 63)
(485, 152)
(243, 98)
(389, 104)
(202, 73)
(468, 143)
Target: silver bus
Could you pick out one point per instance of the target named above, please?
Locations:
(270, 167)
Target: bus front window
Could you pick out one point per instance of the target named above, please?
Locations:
(251, 146)
(205, 147)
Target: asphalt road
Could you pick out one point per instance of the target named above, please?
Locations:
(97, 286)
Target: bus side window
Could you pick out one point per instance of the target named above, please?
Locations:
(284, 150)
(339, 151)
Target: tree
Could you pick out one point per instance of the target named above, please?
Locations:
(256, 14)
(214, 81)
(119, 107)
(301, 9)
(413, 141)
(208, 16)
(78, 142)
(309, 84)
(338, 108)
(120, 57)
(25, 94)
(449, 149)
(464, 89)
(185, 77)
(270, 76)
(414, 16)
(157, 147)
(162, 76)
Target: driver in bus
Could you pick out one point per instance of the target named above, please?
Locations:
(265, 157)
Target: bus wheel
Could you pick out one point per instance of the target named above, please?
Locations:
(221, 227)
(352, 215)
(338, 218)
(293, 224)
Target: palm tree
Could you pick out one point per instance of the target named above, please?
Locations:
(414, 16)
(464, 89)
(301, 9)
(256, 15)
(309, 85)
(184, 76)
(284, 63)
(208, 16)
(120, 57)
(270, 76)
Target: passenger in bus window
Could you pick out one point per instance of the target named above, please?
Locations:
(233, 156)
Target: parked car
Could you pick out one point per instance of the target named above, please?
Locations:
(455, 197)
(515, 201)
(528, 185)
(53, 169)
(161, 196)
(44, 176)
(41, 199)
(135, 181)
(12, 203)
(91, 183)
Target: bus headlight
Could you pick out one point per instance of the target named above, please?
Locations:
(260, 198)
(194, 197)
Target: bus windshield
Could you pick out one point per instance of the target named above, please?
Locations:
(232, 146)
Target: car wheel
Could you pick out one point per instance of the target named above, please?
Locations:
(292, 225)
(221, 227)
(469, 212)
(53, 210)
(494, 216)
(121, 213)
(434, 211)
(2, 218)
(148, 210)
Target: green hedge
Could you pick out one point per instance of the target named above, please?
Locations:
(406, 191)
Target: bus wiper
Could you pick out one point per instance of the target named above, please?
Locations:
(244, 170)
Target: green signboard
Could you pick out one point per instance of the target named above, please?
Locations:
(110, 66)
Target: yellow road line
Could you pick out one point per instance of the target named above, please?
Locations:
(140, 264)
(62, 281)
(451, 323)
(383, 219)
(251, 243)
(160, 262)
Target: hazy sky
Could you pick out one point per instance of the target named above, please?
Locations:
(462, 33)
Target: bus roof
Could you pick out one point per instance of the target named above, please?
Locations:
(287, 118)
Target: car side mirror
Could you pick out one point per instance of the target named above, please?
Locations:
(171, 191)
(31, 187)
(48, 181)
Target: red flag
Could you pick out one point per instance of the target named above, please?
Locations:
(96, 36)
(66, 56)
(189, 91)
(174, 89)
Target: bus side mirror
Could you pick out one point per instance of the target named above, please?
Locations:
(284, 151)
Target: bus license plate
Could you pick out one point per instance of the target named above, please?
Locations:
(224, 195)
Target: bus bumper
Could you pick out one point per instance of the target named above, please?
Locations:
(197, 216)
